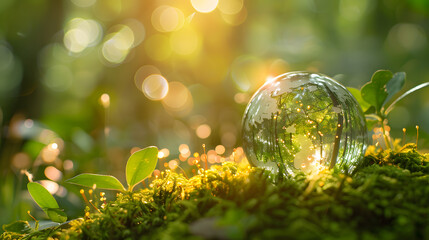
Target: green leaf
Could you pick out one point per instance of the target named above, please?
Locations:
(375, 92)
(100, 181)
(420, 86)
(356, 93)
(56, 215)
(46, 202)
(20, 226)
(41, 196)
(140, 165)
(370, 110)
(395, 85)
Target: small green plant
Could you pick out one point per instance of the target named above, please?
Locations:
(46, 202)
(377, 97)
(139, 166)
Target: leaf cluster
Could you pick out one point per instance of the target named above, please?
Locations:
(379, 96)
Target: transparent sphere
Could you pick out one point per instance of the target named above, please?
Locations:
(303, 121)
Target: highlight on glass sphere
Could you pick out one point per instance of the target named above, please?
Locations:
(303, 122)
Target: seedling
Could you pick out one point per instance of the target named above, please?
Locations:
(47, 202)
(139, 166)
(375, 97)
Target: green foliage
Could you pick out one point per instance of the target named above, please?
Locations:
(356, 93)
(386, 198)
(21, 227)
(375, 96)
(46, 202)
(140, 165)
(375, 92)
(97, 180)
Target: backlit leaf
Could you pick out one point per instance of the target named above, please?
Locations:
(97, 180)
(41, 196)
(46, 202)
(140, 165)
(375, 92)
(356, 93)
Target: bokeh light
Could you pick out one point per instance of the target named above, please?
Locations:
(155, 87)
(118, 44)
(167, 18)
(53, 173)
(68, 165)
(235, 19)
(220, 149)
(51, 186)
(50, 153)
(105, 100)
(172, 164)
(142, 73)
(81, 33)
(203, 131)
(21, 160)
(204, 6)
(230, 6)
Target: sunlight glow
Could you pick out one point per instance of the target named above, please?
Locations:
(185, 41)
(204, 6)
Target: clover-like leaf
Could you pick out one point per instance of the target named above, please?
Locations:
(375, 92)
(356, 93)
(21, 227)
(395, 85)
(99, 181)
(140, 165)
(46, 201)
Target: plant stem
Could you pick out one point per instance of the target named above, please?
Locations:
(386, 139)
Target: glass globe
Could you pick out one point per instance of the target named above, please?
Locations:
(306, 122)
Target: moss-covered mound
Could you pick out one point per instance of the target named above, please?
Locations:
(387, 197)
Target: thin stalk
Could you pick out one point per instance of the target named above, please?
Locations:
(386, 139)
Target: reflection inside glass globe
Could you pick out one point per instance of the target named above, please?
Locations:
(305, 122)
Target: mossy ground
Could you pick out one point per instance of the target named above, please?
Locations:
(386, 197)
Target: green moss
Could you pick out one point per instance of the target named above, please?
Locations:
(385, 198)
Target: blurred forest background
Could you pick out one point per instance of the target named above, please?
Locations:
(83, 83)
